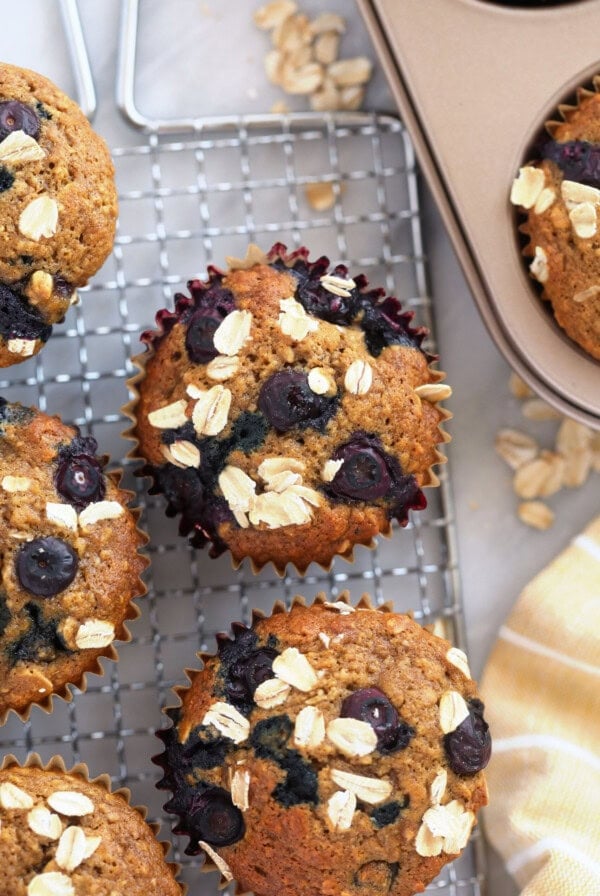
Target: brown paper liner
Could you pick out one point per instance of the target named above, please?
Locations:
(122, 633)
(80, 770)
(255, 255)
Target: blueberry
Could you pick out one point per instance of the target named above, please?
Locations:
(7, 178)
(287, 401)
(469, 746)
(247, 673)
(214, 819)
(364, 473)
(200, 334)
(18, 319)
(80, 481)
(16, 116)
(372, 706)
(577, 159)
(46, 566)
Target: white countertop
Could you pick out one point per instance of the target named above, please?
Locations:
(498, 555)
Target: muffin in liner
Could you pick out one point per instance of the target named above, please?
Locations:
(286, 412)
(558, 192)
(64, 833)
(327, 749)
(58, 205)
(70, 559)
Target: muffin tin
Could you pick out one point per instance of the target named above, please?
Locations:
(475, 82)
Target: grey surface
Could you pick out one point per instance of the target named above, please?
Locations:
(497, 554)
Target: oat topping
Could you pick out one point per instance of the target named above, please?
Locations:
(70, 851)
(359, 377)
(340, 605)
(434, 391)
(527, 187)
(94, 634)
(16, 483)
(98, 511)
(50, 883)
(585, 295)
(544, 201)
(219, 862)
(330, 468)
(294, 321)
(240, 787)
(271, 693)
(369, 790)
(62, 514)
(232, 332)
(20, 147)
(340, 809)
(352, 737)
(223, 367)
(584, 220)
(444, 829)
(459, 659)
(453, 711)
(539, 265)
(39, 218)
(211, 410)
(171, 416)
(228, 721)
(13, 797)
(339, 286)
(309, 728)
(293, 667)
(44, 823)
(23, 347)
(185, 453)
(321, 382)
(438, 787)
(70, 803)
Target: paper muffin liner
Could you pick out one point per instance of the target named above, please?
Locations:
(103, 782)
(122, 632)
(166, 319)
(342, 603)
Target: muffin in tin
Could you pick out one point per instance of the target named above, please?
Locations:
(71, 565)
(558, 192)
(287, 411)
(329, 749)
(58, 205)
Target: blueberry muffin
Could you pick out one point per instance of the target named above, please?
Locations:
(70, 562)
(58, 208)
(559, 195)
(64, 835)
(330, 749)
(287, 413)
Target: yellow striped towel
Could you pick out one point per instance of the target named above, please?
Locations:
(541, 688)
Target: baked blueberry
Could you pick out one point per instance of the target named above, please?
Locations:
(577, 159)
(46, 566)
(287, 401)
(18, 320)
(214, 819)
(364, 473)
(200, 334)
(469, 746)
(16, 116)
(79, 479)
(372, 706)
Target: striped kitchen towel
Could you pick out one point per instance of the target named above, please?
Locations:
(541, 688)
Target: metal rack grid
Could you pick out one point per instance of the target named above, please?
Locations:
(187, 200)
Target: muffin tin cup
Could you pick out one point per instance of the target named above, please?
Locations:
(475, 83)
(80, 770)
(431, 479)
(122, 633)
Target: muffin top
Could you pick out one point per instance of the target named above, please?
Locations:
(326, 749)
(285, 412)
(58, 207)
(559, 192)
(70, 561)
(62, 834)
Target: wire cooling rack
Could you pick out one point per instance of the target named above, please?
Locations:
(187, 200)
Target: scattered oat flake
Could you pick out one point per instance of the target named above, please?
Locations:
(321, 196)
(50, 883)
(219, 862)
(349, 72)
(275, 13)
(515, 447)
(519, 387)
(538, 409)
(13, 797)
(535, 514)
